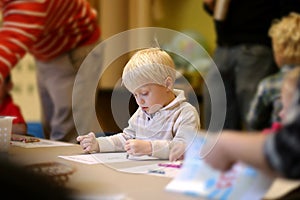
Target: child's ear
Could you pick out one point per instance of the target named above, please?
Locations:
(169, 83)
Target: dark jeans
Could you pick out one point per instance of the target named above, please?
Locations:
(241, 68)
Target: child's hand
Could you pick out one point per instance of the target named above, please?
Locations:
(89, 143)
(177, 151)
(138, 147)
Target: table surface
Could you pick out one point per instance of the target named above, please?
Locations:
(98, 179)
(104, 180)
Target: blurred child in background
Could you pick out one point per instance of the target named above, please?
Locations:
(9, 108)
(276, 153)
(266, 104)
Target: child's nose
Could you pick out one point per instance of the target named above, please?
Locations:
(140, 101)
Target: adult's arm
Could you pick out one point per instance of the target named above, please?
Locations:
(22, 23)
(232, 146)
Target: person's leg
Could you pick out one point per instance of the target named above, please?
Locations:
(253, 63)
(224, 62)
(47, 107)
(58, 77)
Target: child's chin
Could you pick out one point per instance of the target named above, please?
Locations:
(154, 108)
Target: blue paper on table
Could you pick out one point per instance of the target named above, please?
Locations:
(196, 178)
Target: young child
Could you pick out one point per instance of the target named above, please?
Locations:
(266, 104)
(9, 108)
(276, 153)
(164, 122)
(262, 151)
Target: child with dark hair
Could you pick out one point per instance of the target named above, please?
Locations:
(9, 108)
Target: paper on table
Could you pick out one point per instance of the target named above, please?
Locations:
(105, 158)
(97, 158)
(86, 158)
(41, 143)
(142, 158)
(153, 169)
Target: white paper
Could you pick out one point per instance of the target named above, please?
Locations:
(41, 143)
(105, 158)
(110, 157)
(86, 159)
(97, 158)
(141, 158)
(153, 169)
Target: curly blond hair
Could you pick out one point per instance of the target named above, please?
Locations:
(285, 34)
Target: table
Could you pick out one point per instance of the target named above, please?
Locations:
(103, 180)
(98, 179)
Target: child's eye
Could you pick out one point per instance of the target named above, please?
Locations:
(144, 94)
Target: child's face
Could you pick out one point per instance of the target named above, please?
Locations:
(152, 97)
(277, 54)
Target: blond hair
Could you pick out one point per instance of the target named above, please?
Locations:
(152, 65)
(285, 34)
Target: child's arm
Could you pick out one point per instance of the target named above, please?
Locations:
(187, 130)
(177, 151)
(91, 144)
(235, 146)
(183, 130)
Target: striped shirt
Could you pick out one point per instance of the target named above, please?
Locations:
(44, 28)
